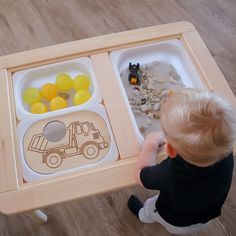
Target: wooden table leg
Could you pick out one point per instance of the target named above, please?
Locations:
(38, 216)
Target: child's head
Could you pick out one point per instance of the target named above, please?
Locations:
(199, 125)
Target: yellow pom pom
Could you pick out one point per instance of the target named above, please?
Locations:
(64, 82)
(58, 103)
(31, 96)
(81, 82)
(38, 108)
(81, 97)
(49, 91)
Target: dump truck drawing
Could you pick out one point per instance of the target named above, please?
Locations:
(80, 138)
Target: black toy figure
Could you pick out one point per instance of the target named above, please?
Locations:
(134, 75)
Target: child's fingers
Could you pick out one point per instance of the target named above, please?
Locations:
(157, 137)
(162, 144)
(155, 140)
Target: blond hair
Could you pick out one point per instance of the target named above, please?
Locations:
(200, 125)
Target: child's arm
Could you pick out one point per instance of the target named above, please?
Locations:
(148, 154)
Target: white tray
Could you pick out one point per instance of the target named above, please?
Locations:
(38, 76)
(30, 175)
(170, 51)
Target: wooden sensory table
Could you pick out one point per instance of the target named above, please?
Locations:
(18, 196)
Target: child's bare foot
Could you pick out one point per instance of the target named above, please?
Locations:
(134, 205)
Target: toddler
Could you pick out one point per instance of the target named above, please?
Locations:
(199, 129)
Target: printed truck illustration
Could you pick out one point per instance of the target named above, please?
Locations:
(80, 138)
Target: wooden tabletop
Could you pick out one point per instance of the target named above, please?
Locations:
(32, 24)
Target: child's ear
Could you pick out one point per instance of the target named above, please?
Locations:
(172, 153)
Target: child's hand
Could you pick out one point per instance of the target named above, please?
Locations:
(155, 140)
(148, 154)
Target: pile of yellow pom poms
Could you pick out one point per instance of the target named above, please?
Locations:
(56, 94)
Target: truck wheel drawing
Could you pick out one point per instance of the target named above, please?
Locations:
(81, 138)
(90, 150)
(53, 159)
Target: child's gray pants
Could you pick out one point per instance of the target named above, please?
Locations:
(147, 214)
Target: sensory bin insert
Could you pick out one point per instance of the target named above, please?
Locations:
(56, 86)
(66, 143)
(163, 67)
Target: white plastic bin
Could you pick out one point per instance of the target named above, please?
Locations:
(170, 51)
(38, 76)
(24, 127)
